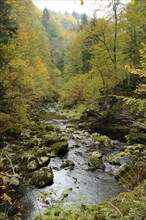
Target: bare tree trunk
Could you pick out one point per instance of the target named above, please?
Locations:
(115, 5)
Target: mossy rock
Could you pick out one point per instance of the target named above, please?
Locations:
(42, 177)
(51, 139)
(103, 140)
(121, 171)
(59, 148)
(112, 160)
(68, 164)
(35, 163)
(51, 127)
(35, 158)
(95, 161)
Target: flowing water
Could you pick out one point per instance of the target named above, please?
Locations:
(77, 186)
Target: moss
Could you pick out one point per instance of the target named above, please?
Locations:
(41, 177)
(112, 160)
(95, 161)
(74, 113)
(134, 175)
(121, 171)
(138, 137)
(15, 131)
(59, 148)
(51, 139)
(103, 140)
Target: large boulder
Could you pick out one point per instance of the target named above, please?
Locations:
(42, 177)
(95, 161)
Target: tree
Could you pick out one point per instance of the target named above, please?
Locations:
(8, 26)
(45, 17)
(134, 20)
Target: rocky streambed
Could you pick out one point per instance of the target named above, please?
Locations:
(60, 164)
(81, 173)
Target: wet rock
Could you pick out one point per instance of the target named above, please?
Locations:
(66, 193)
(59, 148)
(95, 161)
(77, 146)
(68, 164)
(42, 177)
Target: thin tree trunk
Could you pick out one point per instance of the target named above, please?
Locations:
(115, 32)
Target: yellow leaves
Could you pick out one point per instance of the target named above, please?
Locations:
(133, 2)
(7, 198)
(41, 66)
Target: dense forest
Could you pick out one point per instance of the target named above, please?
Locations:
(95, 70)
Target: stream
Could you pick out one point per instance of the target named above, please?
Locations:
(76, 186)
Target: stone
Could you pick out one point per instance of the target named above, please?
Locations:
(51, 139)
(44, 161)
(35, 158)
(95, 161)
(66, 193)
(68, 164)
(42, 177)
(112, 160)
(59, 148)
(103, 140)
